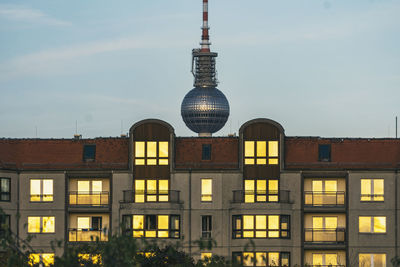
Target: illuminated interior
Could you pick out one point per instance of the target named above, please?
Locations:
(206, 190)
(151, 153)
(260, 226)
(41, 224)
(372, 224)
(46, 259)
(325, 259)
(376, 260)
(261, 152)
(92, 258)
(155, 226)
(41, 190)
(261, 190)
(151, 190)
(372, 190)
(262, 258)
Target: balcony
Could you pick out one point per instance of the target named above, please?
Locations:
(242, 196)
(89, 199)
(324, 199)
(131, 196)
(325, 235)
(86, 235)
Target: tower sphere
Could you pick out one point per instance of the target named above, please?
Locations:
(205, 110)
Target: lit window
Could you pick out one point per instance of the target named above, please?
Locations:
(260, 226)
(151, 191)
(151, 153)
(206, 256)
(156, 226)
(372, 224)
(41, 190)
(90, 192)
(375, 260)
(41, 259)
(372, 190)
(325, 259)
(5, 184)
(261, 152)
(261, 190)
(206, 190)
(41, 224)
(85, 258)
(261, 258)
(324, 192)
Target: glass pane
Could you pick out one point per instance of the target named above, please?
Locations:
(261, 259)
(97, 186)
(139, 149)
(317, 222)
(249, 161)
(5, 185)
(273, 185)
(364, 224)
(248, 259)
(48, 190)
(317, 186)
(331, 259)
(48, 258)
(317, 259)
(138, 233)
(151, 186)
(152, 149)
(163, 221)
(150, 234)
(364, 260)
(163, 161)
(48, 224)
(378, 187)
(138, 221)
(206, 186)
(249, 197)
(206, 255)
(273, 161)
(34, 258)
(248, 222)
(261, 222)
(139, 161)
(379, 260)
(139, 185)
(163, 186)
(331, 222)
(331, 186)
(249, 185)
(163, 149)
(261, 161)
(151, 162)
(35, 190)
(273, 259)
(379, 224)
(261, 149)
(249, 148)
(273, 148)
(83, 186)
(273, 222)
(83, 222)
(366, 189)
(33, 224)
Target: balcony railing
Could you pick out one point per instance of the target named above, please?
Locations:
(321, 235)
(319, 198)
(320, 265)
(89, 198)
(246, 196)
(132, 196)
(86, 235)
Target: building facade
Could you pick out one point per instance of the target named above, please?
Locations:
(302, 201)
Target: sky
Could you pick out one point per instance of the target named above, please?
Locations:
(327, 68)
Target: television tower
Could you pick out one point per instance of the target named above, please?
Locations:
(204, 109)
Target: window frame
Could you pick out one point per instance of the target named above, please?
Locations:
(238, 233)
(372, 224)
(172, 232)
(371, 257)
(158, 159)
(41, 225)
(8, 179)
(372, 196)
(321, 153)
(256, 193)
(206, 226)
(89, 156)
(203, 196)
(206, 151)
(259, 160)
(158, 192)
(41, 195)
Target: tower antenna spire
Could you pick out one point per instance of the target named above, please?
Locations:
(205, 38)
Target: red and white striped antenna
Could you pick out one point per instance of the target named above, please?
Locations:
(205, 38)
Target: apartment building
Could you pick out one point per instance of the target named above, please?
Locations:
(303, 201)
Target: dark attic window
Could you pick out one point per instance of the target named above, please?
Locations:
(324, 152)
(89, 152)
(206, 152)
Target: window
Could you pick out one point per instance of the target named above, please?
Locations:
(156, 226)
(151, 153)
(90, 193)
(4, 224)
(371, 260)
(372, 190)
(324, 193)
(205, 256)
(89, 152)
(5, 184)
(84, 223)
(41, 224)
(206, 226)
(206, 152)
(255, 152)
(261, 190)
(324, 152)
(372, 224)
(325, 259)
(151, 191)
(41, 190)
(261, 226)
(41, 259)
(280, 259)
(89, 258)
(206, 190)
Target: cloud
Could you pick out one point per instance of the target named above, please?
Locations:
(29, 15)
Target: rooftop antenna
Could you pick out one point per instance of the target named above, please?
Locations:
(76, 135)
(36, 131)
